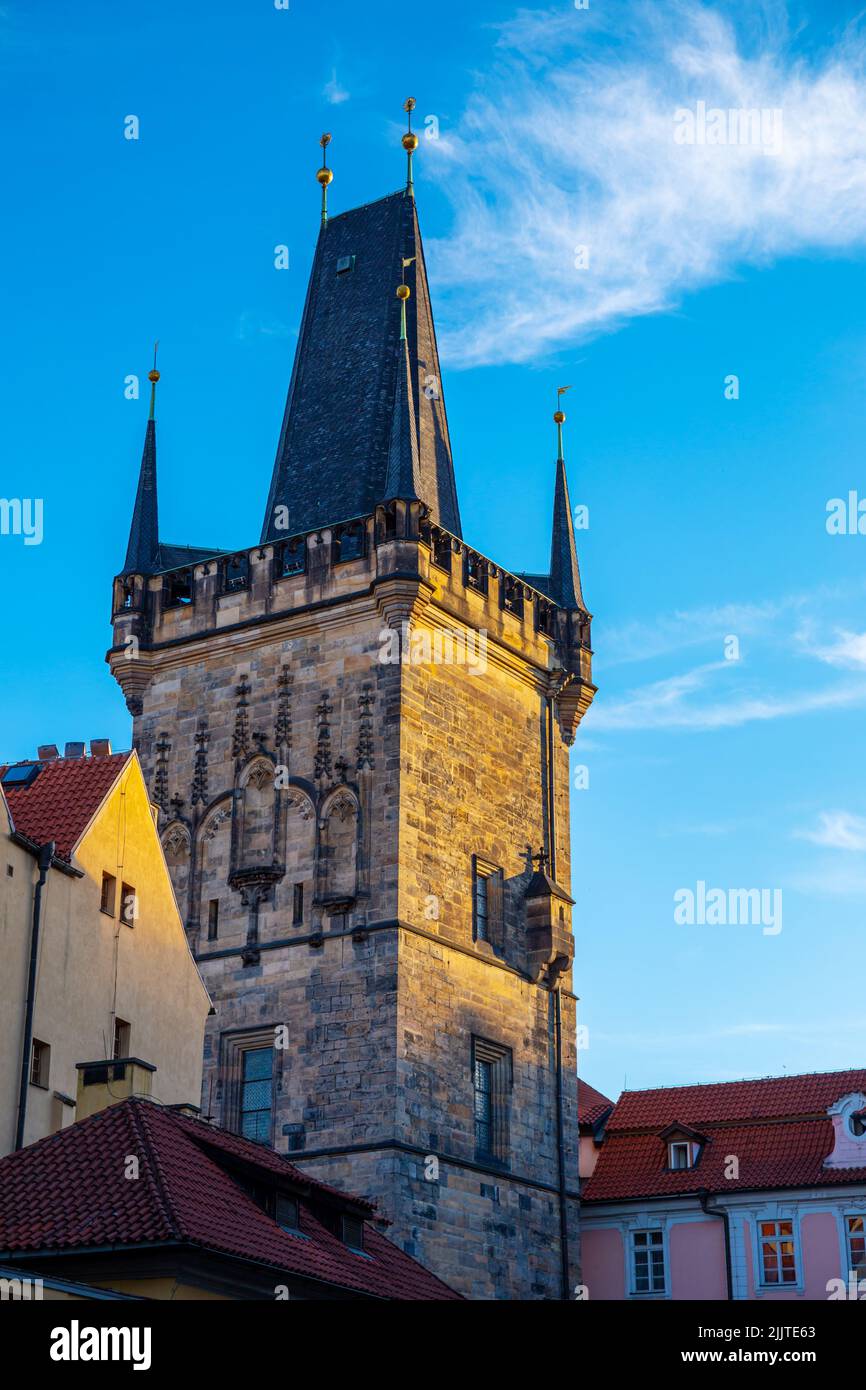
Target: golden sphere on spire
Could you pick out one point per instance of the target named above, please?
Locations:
(325, 176)
(404, 292)
(410, 142)
(153, 376)
(559, 417)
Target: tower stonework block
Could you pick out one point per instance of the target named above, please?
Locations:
(358, 734)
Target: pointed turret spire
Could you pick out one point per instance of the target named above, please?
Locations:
(564, 571)
(403, 477)
(410, 144)
(143, 549)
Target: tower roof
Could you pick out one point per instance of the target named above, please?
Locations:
(336, 449)
(142, 552)
(564, 570)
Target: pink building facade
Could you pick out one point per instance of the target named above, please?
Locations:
(746, 1191)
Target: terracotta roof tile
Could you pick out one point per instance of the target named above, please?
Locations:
(591, 1104)
(69, 1191)
(62, 801)
(777, 1128)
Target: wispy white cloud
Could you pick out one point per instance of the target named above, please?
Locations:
(568, 141)
(662, 634)
(333, 92)
(848, 650)
(837, 830)
(696, 700)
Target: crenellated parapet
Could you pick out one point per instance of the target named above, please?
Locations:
(396, 558)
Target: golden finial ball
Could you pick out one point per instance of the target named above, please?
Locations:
(325, 176)
(153, 376)
(403, 292)
(410, 142)
(559, 417)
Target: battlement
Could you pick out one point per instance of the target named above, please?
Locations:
(395, 556)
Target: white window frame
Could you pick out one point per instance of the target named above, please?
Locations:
(690, 1155)
(777, 1218)
(656, 1239)
(850, 1237)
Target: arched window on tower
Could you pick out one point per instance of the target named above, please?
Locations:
(299, 856)
(257, 825)
(338, 852)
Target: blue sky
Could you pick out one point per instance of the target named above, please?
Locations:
(707, 515)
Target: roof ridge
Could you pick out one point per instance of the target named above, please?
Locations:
(159, 1183)
(744, 1081)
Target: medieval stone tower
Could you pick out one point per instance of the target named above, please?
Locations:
(357, 736)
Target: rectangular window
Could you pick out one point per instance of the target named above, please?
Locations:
(122, 1032)
(648, 1250)
(109, 892)
(856, 1230)
(286, 1212)
(680, 1156)
(778, 1258)
(40, 1058)
(352, 1230)
(492, 1077)
(128, 905)
(213, 920)
(257, 1093)
(298, 905)
(487, 902)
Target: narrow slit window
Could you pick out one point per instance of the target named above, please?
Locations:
(213, 919)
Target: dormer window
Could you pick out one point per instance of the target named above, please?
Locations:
(858, 1124)
(352, 1233)
(287, 1212)
(345, 265)
(683, 1147)
(680, 1155)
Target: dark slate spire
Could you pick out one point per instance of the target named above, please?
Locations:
(142, 553)
(564, 571)
(334, 452)
(403, 478)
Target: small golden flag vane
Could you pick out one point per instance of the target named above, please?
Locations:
(153, 378)
(559, 415)
(325, 175)
(410, 141)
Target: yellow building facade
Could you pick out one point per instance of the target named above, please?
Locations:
(111, 976)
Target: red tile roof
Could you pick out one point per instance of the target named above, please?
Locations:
(62, 801)
(69, 1192)
(591, 1104)
(778, 1128)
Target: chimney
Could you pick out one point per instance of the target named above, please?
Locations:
(74, 750)
(100, 748)
(47, 752)
(101, 1084)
